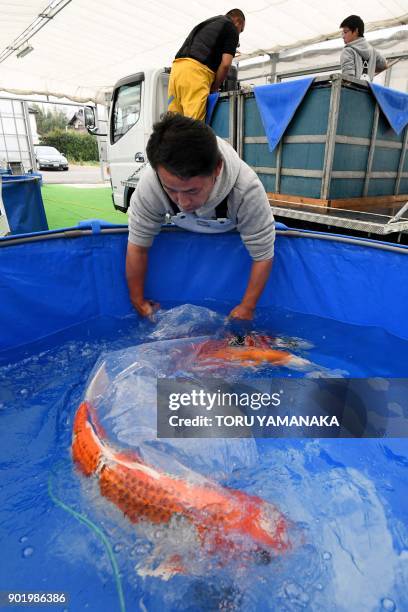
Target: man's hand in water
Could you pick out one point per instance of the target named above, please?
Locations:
(258, 277)
(242, 312)
(136, 268)
(146, 308)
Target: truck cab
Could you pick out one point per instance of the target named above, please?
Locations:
(137, 102)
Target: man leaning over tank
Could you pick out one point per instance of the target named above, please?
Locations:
(359, 58)
(192, 174)
(202, 63)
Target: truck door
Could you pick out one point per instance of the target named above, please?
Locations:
(125, 149)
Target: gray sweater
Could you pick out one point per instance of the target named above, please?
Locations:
(248, 205)
(354, 53)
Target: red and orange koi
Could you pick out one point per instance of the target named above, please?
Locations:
(221, 516)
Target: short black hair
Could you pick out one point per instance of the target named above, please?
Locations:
(183, 146)
(236, 13)
(353, 23)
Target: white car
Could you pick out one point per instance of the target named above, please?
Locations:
(50, 157)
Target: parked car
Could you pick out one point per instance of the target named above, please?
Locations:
(50, 157)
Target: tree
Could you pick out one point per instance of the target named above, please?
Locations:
(50, 120)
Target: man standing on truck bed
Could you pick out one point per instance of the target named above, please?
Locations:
(200, 181)
(202, 63)
(358, 58)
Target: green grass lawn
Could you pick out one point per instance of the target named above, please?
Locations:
(66, 206)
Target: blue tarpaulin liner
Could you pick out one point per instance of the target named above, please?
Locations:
(211, 103)
(277, 104)
(23, 203)
(394, 105)
(49, 285)
(52, 542)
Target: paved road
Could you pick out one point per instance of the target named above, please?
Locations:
(80, 175)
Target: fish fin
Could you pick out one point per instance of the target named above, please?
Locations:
(165, 570)
(93, 419)
(128, 455)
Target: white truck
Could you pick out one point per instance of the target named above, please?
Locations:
(137, 102)
(320, 172)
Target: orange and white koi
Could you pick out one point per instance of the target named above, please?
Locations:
(252, 349)
(225, 519)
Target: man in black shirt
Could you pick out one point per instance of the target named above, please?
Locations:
(202, 63)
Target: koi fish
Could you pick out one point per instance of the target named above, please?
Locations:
(226, 520)
(252, 349)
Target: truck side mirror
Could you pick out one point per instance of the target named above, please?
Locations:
(90, 121)
(89, 117)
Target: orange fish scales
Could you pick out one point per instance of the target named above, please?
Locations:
(147, 481)
(131, 505)
(136, 501)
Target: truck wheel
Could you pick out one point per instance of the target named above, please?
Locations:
(127, 195)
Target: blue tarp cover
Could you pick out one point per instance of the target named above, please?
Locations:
(23, 203)
(211, 102)
(277, 104)
(394, 105)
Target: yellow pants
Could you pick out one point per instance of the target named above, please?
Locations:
(189, 86)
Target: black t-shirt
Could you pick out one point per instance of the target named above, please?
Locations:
(207, 42)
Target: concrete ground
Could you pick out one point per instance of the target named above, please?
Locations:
(79, 175)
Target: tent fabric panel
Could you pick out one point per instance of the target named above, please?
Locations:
(88, 46)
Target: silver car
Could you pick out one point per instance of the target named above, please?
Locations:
(50, 157)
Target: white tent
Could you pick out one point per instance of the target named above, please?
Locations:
(79, 48)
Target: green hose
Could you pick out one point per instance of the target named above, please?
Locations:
(83, 519)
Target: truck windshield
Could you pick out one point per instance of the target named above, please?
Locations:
(126, 110)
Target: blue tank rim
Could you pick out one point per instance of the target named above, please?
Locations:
(93, 227)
